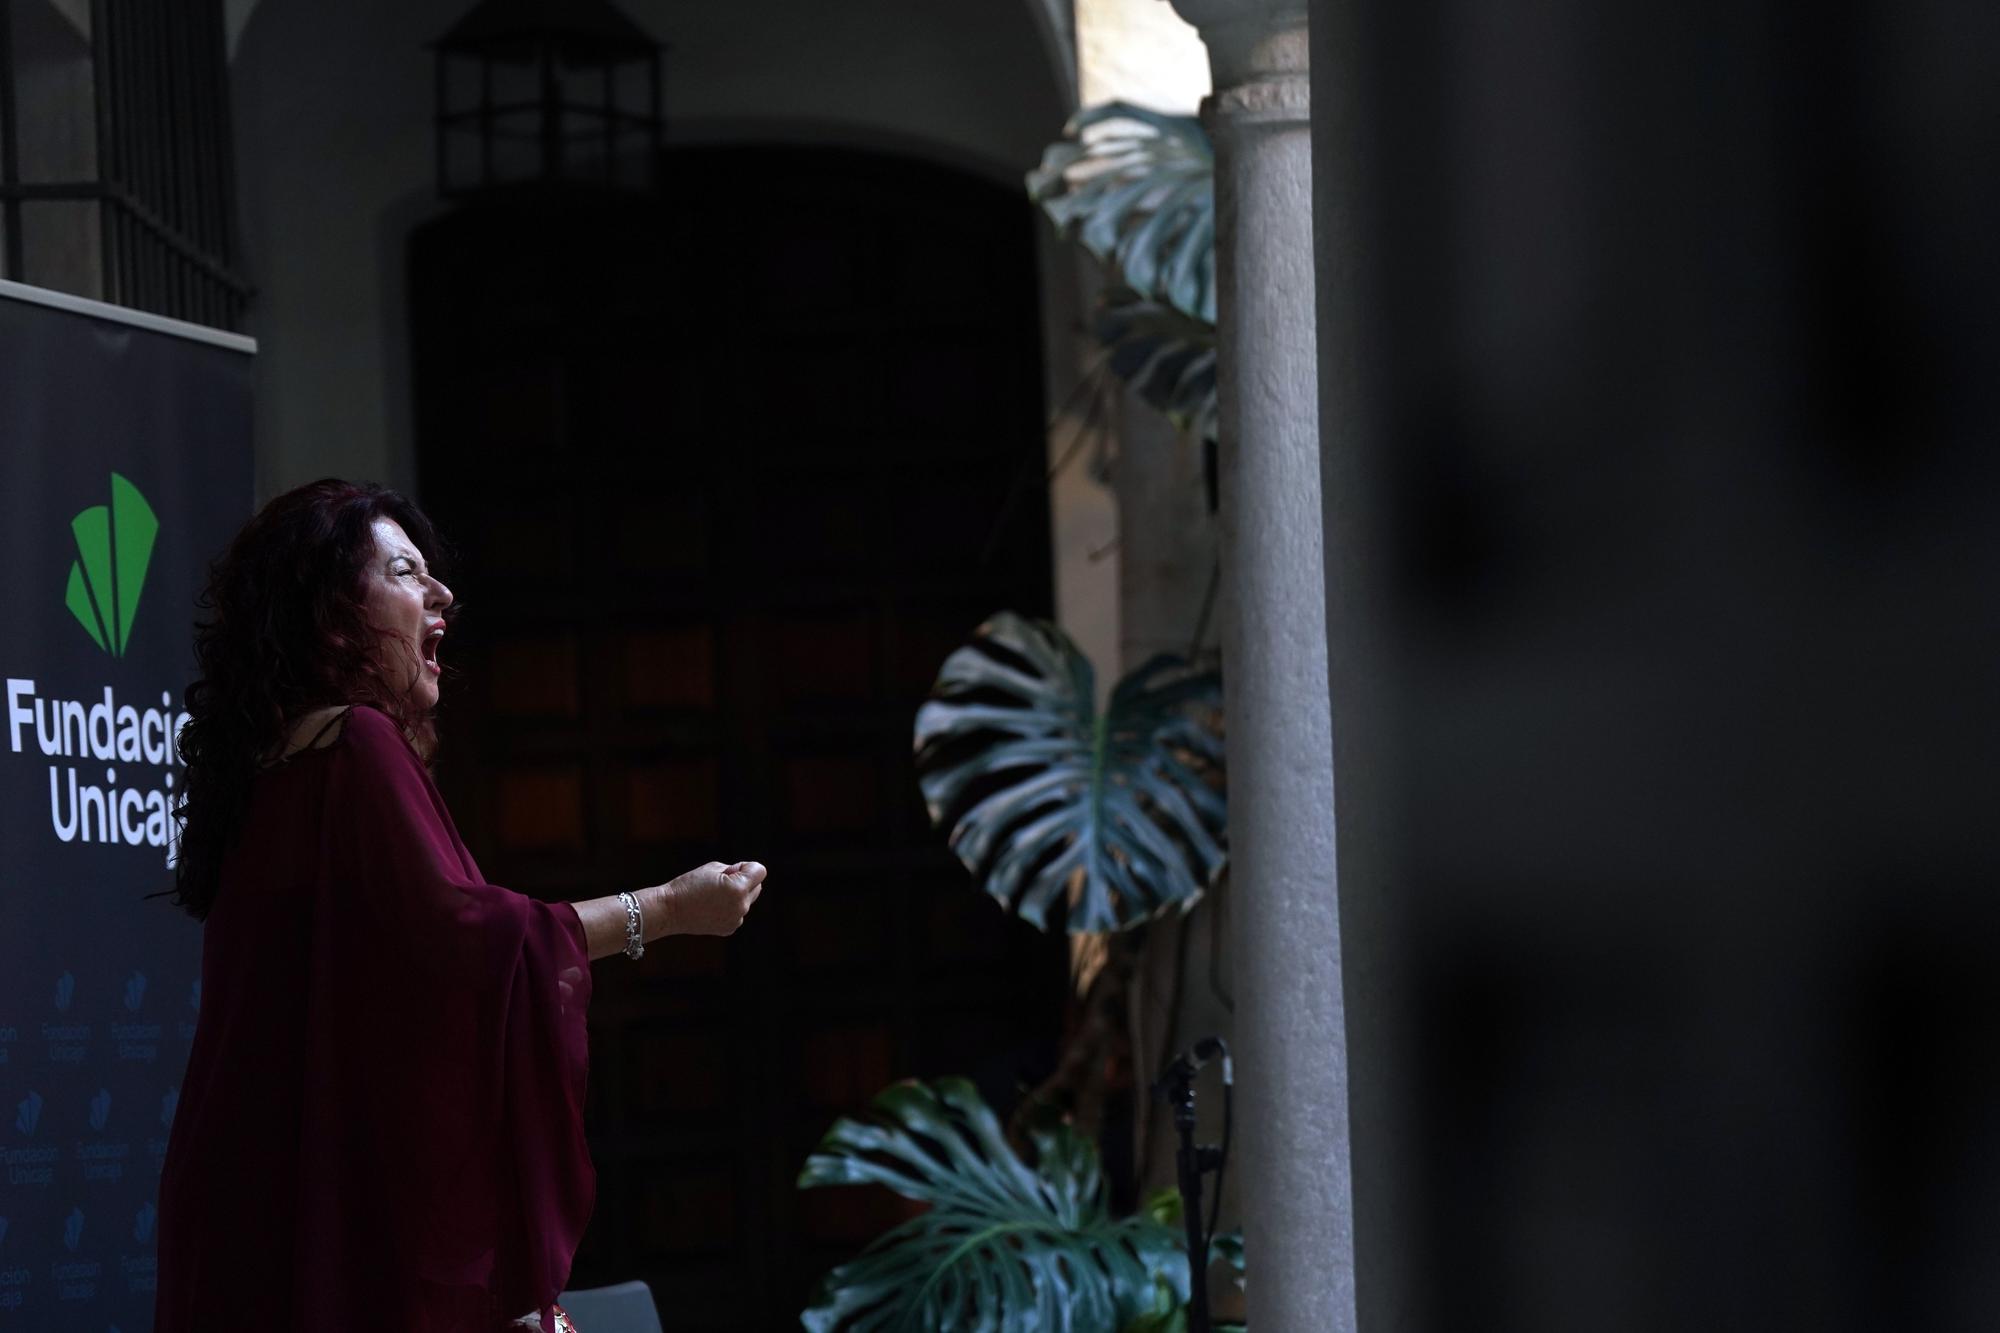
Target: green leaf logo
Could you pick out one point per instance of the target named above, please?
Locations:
(114, 544)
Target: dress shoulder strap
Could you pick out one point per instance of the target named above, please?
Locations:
(328, 732)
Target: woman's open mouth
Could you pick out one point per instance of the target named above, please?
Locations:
(429, 647)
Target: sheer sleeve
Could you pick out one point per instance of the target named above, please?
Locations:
(451, 1019)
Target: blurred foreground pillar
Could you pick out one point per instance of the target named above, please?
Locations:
(1291, 1043)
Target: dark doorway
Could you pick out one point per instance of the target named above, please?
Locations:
(731, 471)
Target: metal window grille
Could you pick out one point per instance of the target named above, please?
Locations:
(540, 93)
(116, 171)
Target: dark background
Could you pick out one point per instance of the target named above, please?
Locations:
(731, 475)
(1664, 607)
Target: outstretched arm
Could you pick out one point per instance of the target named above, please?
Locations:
(709, 900)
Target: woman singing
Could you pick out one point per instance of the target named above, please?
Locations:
(381, 1122)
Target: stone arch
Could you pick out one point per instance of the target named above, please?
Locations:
(333, 109)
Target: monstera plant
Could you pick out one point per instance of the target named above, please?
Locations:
(1136, 189)
(1117, 813)
(1007, 1244)
(1169, 1310)
(1107, 818)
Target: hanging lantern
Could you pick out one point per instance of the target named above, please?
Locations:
(546, 92)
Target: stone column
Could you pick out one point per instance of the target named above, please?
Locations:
(1291, 1039)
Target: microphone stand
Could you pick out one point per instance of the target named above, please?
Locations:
(1192, 1161)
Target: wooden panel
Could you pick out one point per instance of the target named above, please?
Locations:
(520, 410)
(530, 538)
(537, 808)
(670, 668)
(922, 642)
(687, 1206)
(845, 1066)
(830, 527)
(834, 382)
(962, 924)
(962, 513)
(534, 677)
(675, 1073)
(666, 532)
(946, 384)
(830, 929)
(670, 800)
(812, 270)
(1005, 1039)
(823, 658)
(686, 958)
(644, 403)
(939, 265)
(852, 1215)
(831, 793)
(672, 463)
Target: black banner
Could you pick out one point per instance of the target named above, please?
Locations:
(125, 465)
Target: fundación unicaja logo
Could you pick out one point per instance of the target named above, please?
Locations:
(100, 1109)
(65, 992)
(135, 991)
(114, 544)
(28, 1113)
(142, 1223)
(73, 1230)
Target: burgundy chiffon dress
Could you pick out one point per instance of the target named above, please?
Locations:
(381, 1124)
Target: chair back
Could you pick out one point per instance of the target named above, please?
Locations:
(624, 1308)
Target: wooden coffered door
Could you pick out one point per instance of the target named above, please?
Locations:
(730, 472)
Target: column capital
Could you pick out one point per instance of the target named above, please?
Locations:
(1251, 42)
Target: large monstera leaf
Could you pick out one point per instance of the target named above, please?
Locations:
(1005, 1246)
(1167, 355)
(1119, 812)
(1136, 188)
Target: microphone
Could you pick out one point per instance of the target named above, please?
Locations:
(1191, 1061)
(1194, 1160)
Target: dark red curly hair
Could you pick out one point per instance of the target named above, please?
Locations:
(283, 631)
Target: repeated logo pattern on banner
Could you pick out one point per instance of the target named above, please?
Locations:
(124, 467)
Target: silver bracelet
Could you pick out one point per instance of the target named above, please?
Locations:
(635, 940)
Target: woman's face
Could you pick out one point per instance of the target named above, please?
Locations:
(407, 606)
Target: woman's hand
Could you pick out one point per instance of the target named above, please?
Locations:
(711, 899)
